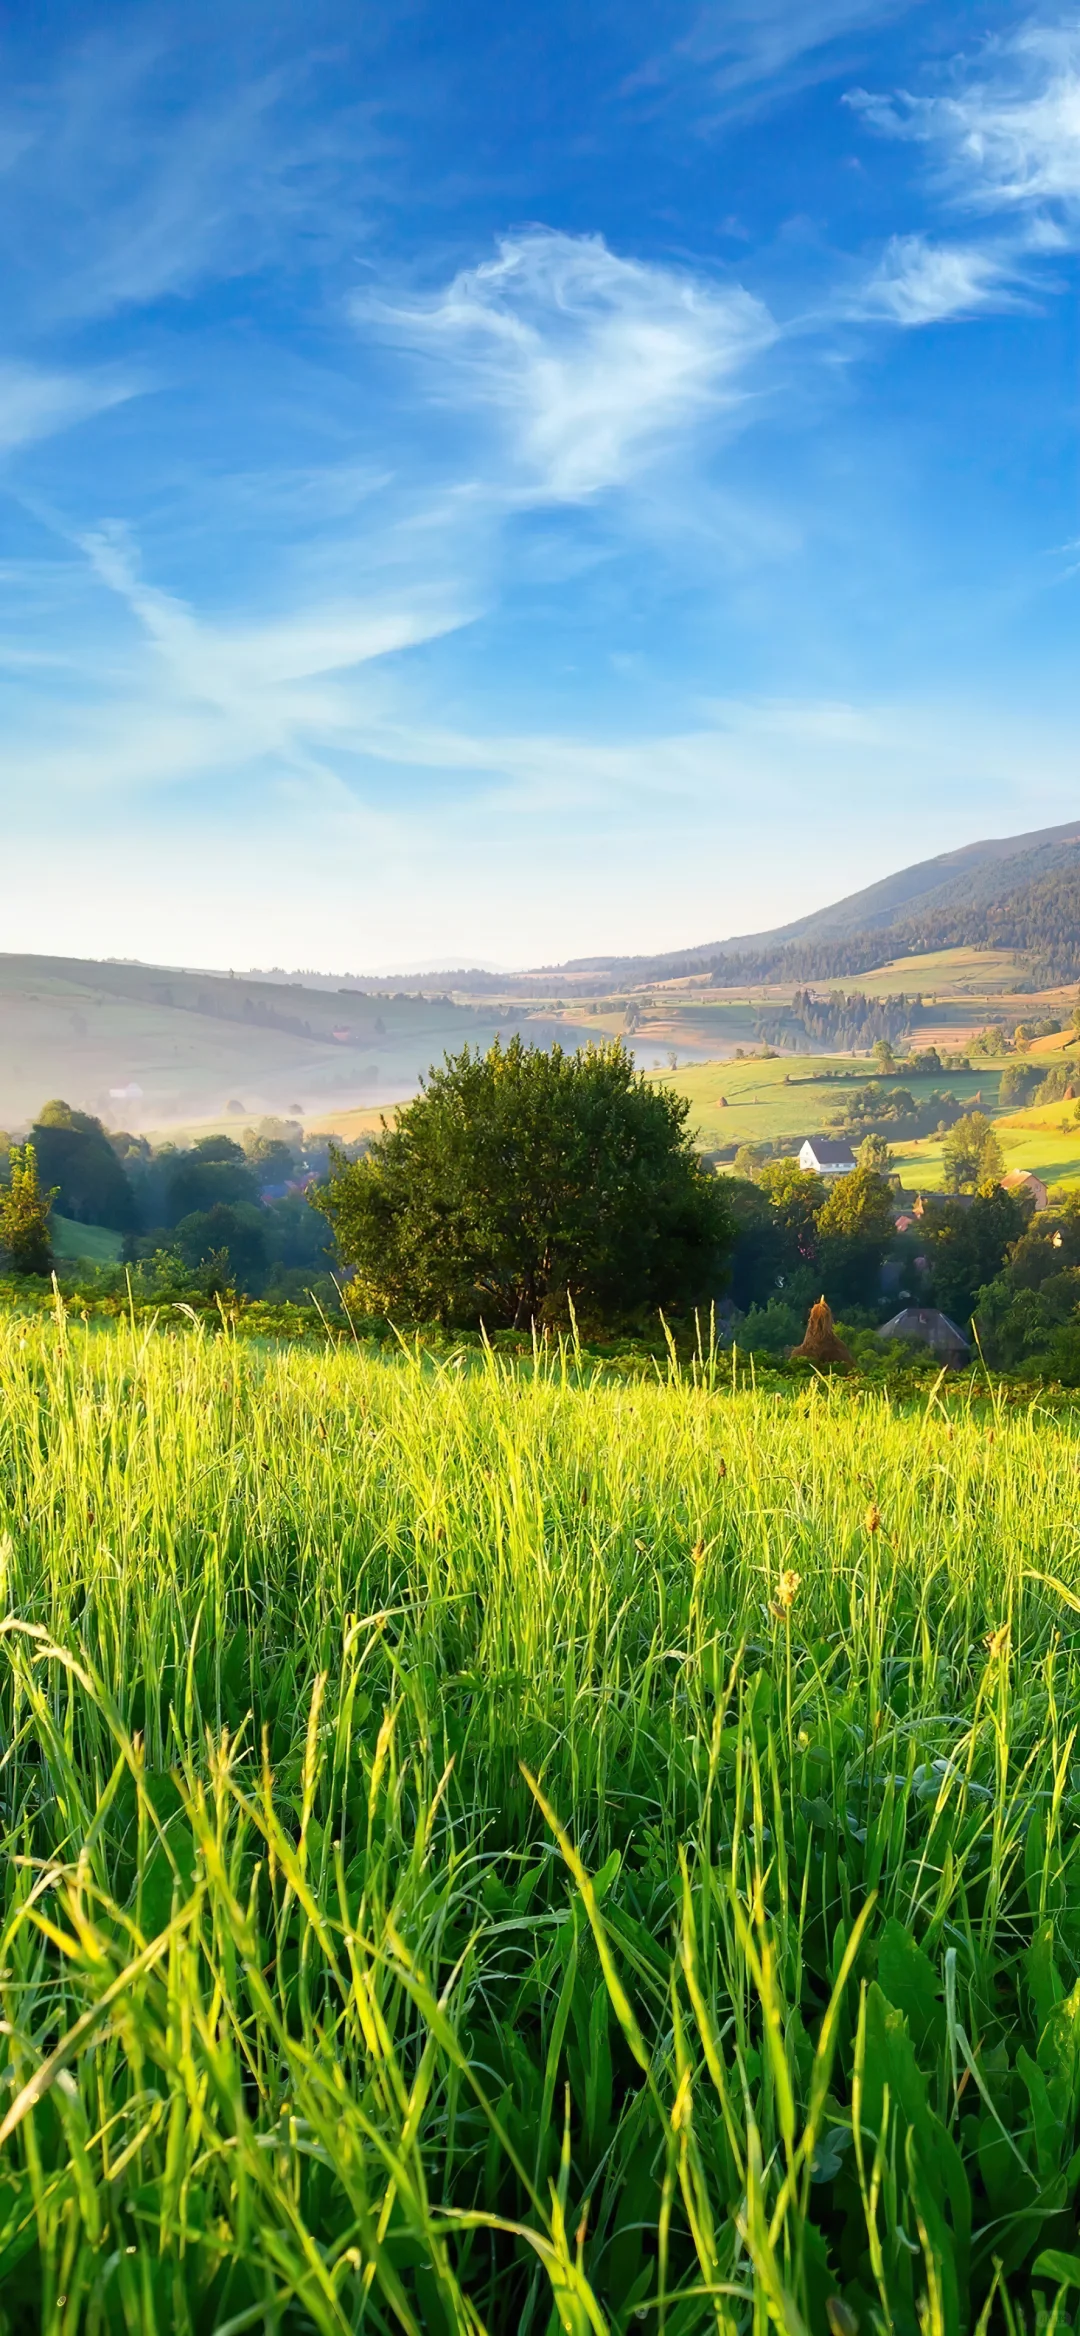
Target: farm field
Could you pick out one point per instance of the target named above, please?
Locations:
(944, 974)
(1044, 1139)
(495, 1849)
(791, 1097)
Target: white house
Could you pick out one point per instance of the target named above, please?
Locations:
(826, 1159)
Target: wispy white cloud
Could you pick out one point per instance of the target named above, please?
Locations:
(591, 362)
(133, 176)
(737, 57)
(1007, 135)
(918, 283)
(219, 663)
(178, 696)
(36, 403)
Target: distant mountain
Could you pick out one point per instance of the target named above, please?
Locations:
(1018, 892)
(974, 877)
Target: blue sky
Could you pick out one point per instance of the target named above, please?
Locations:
(495, 485)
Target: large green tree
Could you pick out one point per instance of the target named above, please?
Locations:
(798, 1196)
(859, 1205)
(873, 1152)
(521, 1182)
(75, 1155)
(233, 1230)
(855, 1229)
(213, 1174)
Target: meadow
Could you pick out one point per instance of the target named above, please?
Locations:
(786, 1097)
(494, 1847)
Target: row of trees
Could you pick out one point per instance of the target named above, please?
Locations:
(844, 1020)
(895, 1112)
(529, 1187)
(237, 1213)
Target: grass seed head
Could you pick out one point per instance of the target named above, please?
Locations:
(787, 1590)
(873, 1518)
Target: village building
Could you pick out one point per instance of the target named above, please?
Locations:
(820, 1156)
(1027, 1186)
(928, 1326)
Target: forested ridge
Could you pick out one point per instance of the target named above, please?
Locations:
(1019, 903)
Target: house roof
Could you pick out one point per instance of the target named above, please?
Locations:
(927, 1323)
(830, 1154)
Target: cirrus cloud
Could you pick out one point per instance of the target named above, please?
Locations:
(1007, 137)
(918, 282)
(591, 362)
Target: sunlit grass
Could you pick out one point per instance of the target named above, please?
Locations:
(489, 1850)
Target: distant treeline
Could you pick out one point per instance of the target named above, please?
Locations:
(844, 1020)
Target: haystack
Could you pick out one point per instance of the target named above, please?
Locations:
(820, 1344)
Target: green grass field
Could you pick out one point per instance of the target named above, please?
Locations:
(95, 1243)
(495, 1850)
(767, 1101)
(1045, 1139)
(794, 1096)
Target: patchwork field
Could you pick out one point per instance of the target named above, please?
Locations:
(494, 1850)
(961, 990)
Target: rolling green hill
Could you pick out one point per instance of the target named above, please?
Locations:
(92, 1244)
(148, 1046)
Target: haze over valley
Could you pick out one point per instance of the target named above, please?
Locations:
(152, 1047)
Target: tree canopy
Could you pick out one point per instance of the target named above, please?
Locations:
(75, 1155)
(971, 1155)
(25, 1208)
(522, 1182)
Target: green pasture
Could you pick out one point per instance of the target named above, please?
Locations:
(1044, 1139)
(795, 1096)
(94, 1243)
(494, 1849)
(950, 973)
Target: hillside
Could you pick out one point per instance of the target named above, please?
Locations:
(1016, 893)
(954, 882)
(149, 1046)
